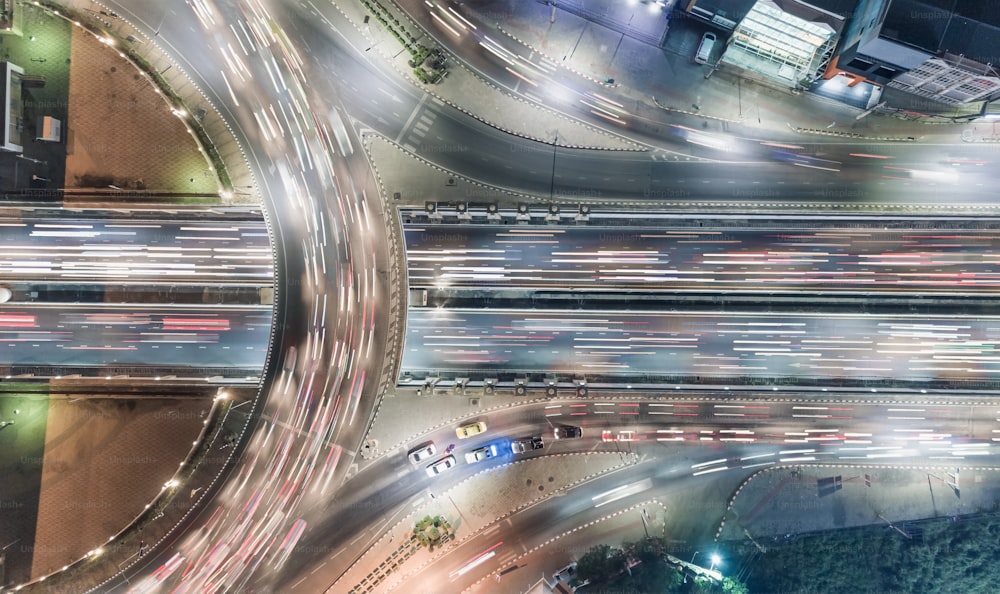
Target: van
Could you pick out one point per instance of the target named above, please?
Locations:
(705, 48)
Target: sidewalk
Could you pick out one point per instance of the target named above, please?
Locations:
(104, 462)
(120, 132)
(788, 501)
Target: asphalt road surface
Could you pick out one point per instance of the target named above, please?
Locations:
(718, 345)
(856, 256)
(75, 249)
(119, 336)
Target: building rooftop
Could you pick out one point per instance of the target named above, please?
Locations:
(967, 27)
(816, 11)
(842, 8)
(733, 10)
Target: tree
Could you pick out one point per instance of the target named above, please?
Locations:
(731, 586)
(432, 531)
(599, 565)
(605, 566)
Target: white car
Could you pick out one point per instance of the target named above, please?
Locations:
(480, 454)
(441, 465)
(421, 453)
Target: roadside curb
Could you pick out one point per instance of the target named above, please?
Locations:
(692, 113)
(852, 135)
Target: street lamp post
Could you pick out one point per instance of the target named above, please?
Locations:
(739, 94)
(17, 158)
(552, 183)
(156, 33)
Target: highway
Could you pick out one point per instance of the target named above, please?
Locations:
(122, 335)
(843, 256)
(702, 344)
(75, 249)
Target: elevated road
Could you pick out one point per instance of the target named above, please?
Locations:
(807, 257)
(154, 250)
(706, 347)
(82, 337)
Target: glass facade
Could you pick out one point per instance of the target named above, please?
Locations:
(777, 44)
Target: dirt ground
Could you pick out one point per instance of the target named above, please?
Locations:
(121, 132)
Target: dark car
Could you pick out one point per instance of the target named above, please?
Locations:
(519, 446)
(567, 432)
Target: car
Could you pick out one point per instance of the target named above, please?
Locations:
(422, 452)
(519, 446)
(705, 48)
(471, 429)
(441, 465)
(480, 454)
(567, 432)
(608, 435)
(566, 573)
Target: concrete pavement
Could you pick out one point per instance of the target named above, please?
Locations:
(121, 132)
(792, 500)
(418, 181)
(104, 461)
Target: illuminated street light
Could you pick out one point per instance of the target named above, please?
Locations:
(715, 561)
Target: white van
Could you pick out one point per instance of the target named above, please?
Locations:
(705, 48)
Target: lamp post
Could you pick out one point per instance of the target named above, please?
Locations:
(17, 158)
(715, 561)
(552, 183)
